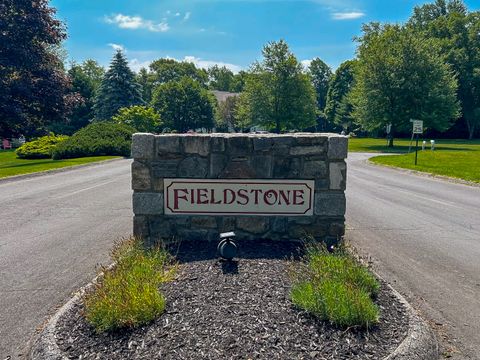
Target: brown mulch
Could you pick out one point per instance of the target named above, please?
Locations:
(239, 310)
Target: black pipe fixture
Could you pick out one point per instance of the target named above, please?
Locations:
(227, 247)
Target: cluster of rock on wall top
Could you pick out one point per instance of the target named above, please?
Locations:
(316, 156)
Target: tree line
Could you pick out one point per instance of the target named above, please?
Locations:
(427, 69)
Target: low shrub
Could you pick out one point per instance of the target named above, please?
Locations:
(97, 139)
(40, 148)
(334, 287)
(141, 118)
(128, 295)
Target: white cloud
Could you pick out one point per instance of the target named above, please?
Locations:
(306, 63)
(117, 47)
(187, 16)
(347, 15)
(136, 22)
(177, 14)
(205, 64)
(136, 64)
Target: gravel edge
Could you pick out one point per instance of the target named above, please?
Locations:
(420, 343)
(55, 171)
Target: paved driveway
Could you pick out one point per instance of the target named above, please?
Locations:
(54, 229)
(424, 237)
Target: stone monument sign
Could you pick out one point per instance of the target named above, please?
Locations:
(278, 187)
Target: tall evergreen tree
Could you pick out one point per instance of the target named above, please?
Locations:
(321, 75)
(337, 103)
(144, 78)
(118, 89)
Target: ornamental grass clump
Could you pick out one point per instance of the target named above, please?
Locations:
(128, 294)
(336, 288)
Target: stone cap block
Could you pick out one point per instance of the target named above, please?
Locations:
(337, 147)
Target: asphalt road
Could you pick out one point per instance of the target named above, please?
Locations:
(423, 236)
(54, 230)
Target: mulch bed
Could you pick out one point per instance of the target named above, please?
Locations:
(240, 310)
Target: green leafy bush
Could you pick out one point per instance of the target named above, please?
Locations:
(40, 148)
(101, 138)
(128, 295)
(336, 288)
(141, 118)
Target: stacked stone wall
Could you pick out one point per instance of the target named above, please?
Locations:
(318, 157)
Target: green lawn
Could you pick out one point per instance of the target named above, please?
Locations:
(454, 158)
(10, 165)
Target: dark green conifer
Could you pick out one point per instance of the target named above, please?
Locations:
(119, 89)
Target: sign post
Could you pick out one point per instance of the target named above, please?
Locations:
(388, 130)
(417, 129)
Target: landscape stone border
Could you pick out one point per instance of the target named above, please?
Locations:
(419, 344)
(297, 156)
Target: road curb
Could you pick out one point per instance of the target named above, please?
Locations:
(54, 171)
(419, 344)
(44, 345)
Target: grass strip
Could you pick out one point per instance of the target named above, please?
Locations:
(402, 146)
(10, 165)
(457, 164)
(336, 288)
(128, 295)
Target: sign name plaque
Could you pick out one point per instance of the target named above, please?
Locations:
(238, 197)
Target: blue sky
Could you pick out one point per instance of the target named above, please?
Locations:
(230, 32)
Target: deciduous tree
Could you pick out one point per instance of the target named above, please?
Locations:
(401, 76)
(226, 115)
(165, 70)
(33, 86)
(85, 79)
(141, 118)
(458, 33)
(184, 105)
(278, 94)
(220, 78)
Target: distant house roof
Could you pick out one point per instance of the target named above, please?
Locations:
(223, 95)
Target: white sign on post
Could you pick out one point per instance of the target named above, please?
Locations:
(417, 126)
(238, 197)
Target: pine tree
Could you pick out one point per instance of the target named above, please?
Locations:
(119, 89)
